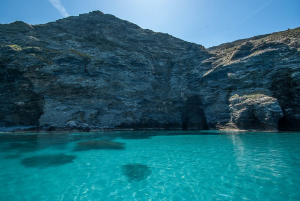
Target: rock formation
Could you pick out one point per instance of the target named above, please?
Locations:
(99, 71)
(254, 83)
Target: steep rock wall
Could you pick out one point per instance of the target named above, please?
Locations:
(99, 70)
(103, 71)
(255, 84)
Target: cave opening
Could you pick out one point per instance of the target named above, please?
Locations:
(185, 124)
(283, 124)
(192, 115)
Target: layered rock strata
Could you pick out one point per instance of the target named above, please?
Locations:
(254, 83)
(98, 71)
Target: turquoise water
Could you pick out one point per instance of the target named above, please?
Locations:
(150, 166)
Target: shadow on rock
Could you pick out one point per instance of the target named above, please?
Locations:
(136, 172)
(47, 160)
(98, 144)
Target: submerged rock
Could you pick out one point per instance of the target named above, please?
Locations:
(136, 172)
(13, 156)
(99, 144)
(21, 146)
(135, 135)
(47, 160)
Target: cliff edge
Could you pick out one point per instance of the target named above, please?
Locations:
(97, 71)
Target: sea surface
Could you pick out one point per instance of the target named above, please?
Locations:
(156, 165)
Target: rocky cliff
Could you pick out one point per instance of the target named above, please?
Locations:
(254, 83)
(98, 71)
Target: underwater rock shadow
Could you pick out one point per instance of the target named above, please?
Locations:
(149, 134)
(136, 172)
(32, 143)
(99, 144)
(13, 156)
(52, 160)
(135, 136)
(21, 147)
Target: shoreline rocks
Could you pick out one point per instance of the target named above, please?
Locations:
(96, 71)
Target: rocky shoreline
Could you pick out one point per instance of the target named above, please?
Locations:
(95, 71)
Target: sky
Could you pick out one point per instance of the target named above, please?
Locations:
(205, 22)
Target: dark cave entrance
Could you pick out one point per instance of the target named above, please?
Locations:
(283, 124)
(185, 124)
(192, 115)
(288, 123)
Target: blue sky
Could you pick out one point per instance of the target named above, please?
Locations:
(206, 22)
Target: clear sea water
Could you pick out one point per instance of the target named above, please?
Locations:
(173, 165)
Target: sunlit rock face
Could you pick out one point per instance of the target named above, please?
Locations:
(257, 111)
(99, 70)
(102, 72)
(254, 83)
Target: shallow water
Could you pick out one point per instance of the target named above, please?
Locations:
(176, 165)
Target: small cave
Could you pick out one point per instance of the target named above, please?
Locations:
(256, 123)
(197, 123)
(193, 116)
(286, 91)
(284, 124)
(249, 120)
(185, 124)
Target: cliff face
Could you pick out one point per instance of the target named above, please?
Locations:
(99, 70)
(254, 83)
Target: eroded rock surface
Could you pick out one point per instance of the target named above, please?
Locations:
(254, 83)
(257, 111)
(97, 71)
